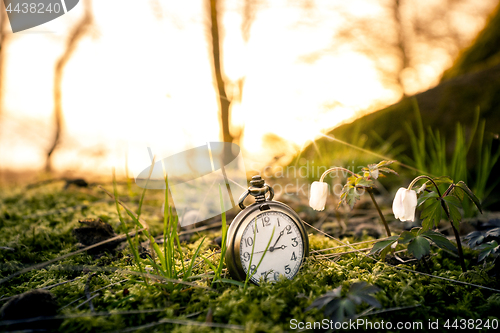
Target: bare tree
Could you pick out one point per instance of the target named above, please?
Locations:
(249, 12)
(224, 102)
(3, 39)
(79, 30)
(404, 34)
(3, 42)
(228, 92)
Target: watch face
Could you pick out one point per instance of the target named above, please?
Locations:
(286, 247)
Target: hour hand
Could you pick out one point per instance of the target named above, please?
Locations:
(281, 234)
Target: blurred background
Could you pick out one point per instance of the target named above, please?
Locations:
(93, 89)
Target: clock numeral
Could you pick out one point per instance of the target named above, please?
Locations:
(288, 229)
(246, 256)
(278, 222)
(248, 241)
(294, 257)
(266, 221)
(295, 243)
(253, 269)
(287, 269)
(264, 274)
(276, 276)
(255, 229)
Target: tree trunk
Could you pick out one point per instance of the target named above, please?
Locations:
(75, 35)
(3, 39)
(401, 44)
(224, 102)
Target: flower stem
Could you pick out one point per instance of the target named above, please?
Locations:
(426, 265)
(426, 177)
(370, 191)
(333, 169)
(443, 204)
(459, 245)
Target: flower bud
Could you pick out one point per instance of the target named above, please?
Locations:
(319, 191)
(404, 204)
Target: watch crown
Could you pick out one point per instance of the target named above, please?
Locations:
(257, 181)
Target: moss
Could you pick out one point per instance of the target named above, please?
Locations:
(267, 308)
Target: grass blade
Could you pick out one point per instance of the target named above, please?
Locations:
(191, 264)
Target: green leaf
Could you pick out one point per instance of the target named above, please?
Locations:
(431, 214)
(452, 200)
(339, 308)
(382, 164)
(384, 246)
(388, 170)
(455, 216)
(424, 197)
(461, 185)
(456, 191)
(323, 300)
(487, 249)
(363, 182)
(475, 238)
(349, 195)
(360, 292)
(440, 240)
(158, 253)
(419, 247)
(406, 237)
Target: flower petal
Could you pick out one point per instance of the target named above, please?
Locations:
(409, 203)
(397, 204)
(319, 191)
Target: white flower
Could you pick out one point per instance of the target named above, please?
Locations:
(319, 191)
(404, 204)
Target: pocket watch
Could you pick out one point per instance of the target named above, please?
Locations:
(265, 224)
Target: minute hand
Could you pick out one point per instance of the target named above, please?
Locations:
(281, 234)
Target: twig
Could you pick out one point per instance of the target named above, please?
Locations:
(109, 285)
(124, 271)
(87, 301)
(328, 255)
(43, 264)
(390, 309)
(87, 292)
(182, 322)
(60, 283)
(352, 244)
(47, 287)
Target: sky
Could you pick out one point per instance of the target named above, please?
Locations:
(142, 77)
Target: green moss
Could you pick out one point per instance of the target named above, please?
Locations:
(267, 308)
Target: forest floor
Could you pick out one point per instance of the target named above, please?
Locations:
(46, 271)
